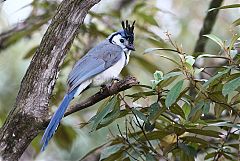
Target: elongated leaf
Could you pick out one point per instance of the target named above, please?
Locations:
(218, 75)
(139, 95)
(100, 116)
(110, 150)
(154, 135)
(149, 50)
(234, 39)
(215, 39)
(186, 109)
(194, 139)
(211, 56)
(176, 109)
(231, 86)
(171, 74)
(148, 18)
(218, 109)
(150, 157)
(139, 114)
(210, 155)
(193, 115)
(190, 60)
(225, 7)
(173, 94)
(154, 111)
(205, 132)
(110, 117)
(236, 22)
(189, 150)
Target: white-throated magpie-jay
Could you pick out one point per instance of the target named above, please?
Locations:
(99, 66)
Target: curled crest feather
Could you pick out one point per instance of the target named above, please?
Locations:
(127, 28)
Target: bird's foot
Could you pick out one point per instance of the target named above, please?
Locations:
(109, 85)
(116, 79)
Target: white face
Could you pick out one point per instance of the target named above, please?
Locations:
(120, 41)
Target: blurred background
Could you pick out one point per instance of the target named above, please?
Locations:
(23, 23)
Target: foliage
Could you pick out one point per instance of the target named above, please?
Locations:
(179, 114)
(177, 123)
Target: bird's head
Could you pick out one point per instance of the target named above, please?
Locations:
(124, 37)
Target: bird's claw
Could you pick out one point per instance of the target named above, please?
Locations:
(109, 85)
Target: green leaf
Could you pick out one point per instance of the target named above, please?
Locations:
(189, 150)
(231, 86)
(155, 111)
(106, 110)
(149, 50)
(139, 114)
(210, 133)
(218, 109)
(169, 78)
(206, 107)
(110, 117)
(150, 157)
(186, 109)
(148, 18)
(139, 95)
(171, 74)
(173, 94)
(218, 75)
(67, 134)
(215, 39)
(110, 150)
(148, 126)
(158, 75)
(231, 47)
(211, 56)
(210, 155)
(236, 22)
(190, 60)
(225, 7)
(196, 111)
(194, 139)
(154, 135)
(176, 109)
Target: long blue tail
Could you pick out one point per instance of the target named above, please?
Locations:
(56, 118)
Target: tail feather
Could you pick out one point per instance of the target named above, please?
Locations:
(56, 118)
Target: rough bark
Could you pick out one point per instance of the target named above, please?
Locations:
(30, 110)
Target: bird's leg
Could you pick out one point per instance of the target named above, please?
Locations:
(109, 85)
(116, 79)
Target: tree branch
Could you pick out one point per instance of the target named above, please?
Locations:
(122, 85)
(23, 29)
(207, 27)
(30, 110)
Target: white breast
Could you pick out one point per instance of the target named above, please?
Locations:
(112, 72)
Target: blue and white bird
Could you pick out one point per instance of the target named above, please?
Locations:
(99, 66)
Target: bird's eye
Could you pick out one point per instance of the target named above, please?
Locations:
(121, 40)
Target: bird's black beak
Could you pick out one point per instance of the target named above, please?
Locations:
(130, 47)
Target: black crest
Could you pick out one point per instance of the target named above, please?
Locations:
(128, 30)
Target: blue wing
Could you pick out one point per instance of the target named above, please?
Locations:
(94, 62)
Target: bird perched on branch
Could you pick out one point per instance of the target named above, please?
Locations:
(99, 66)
